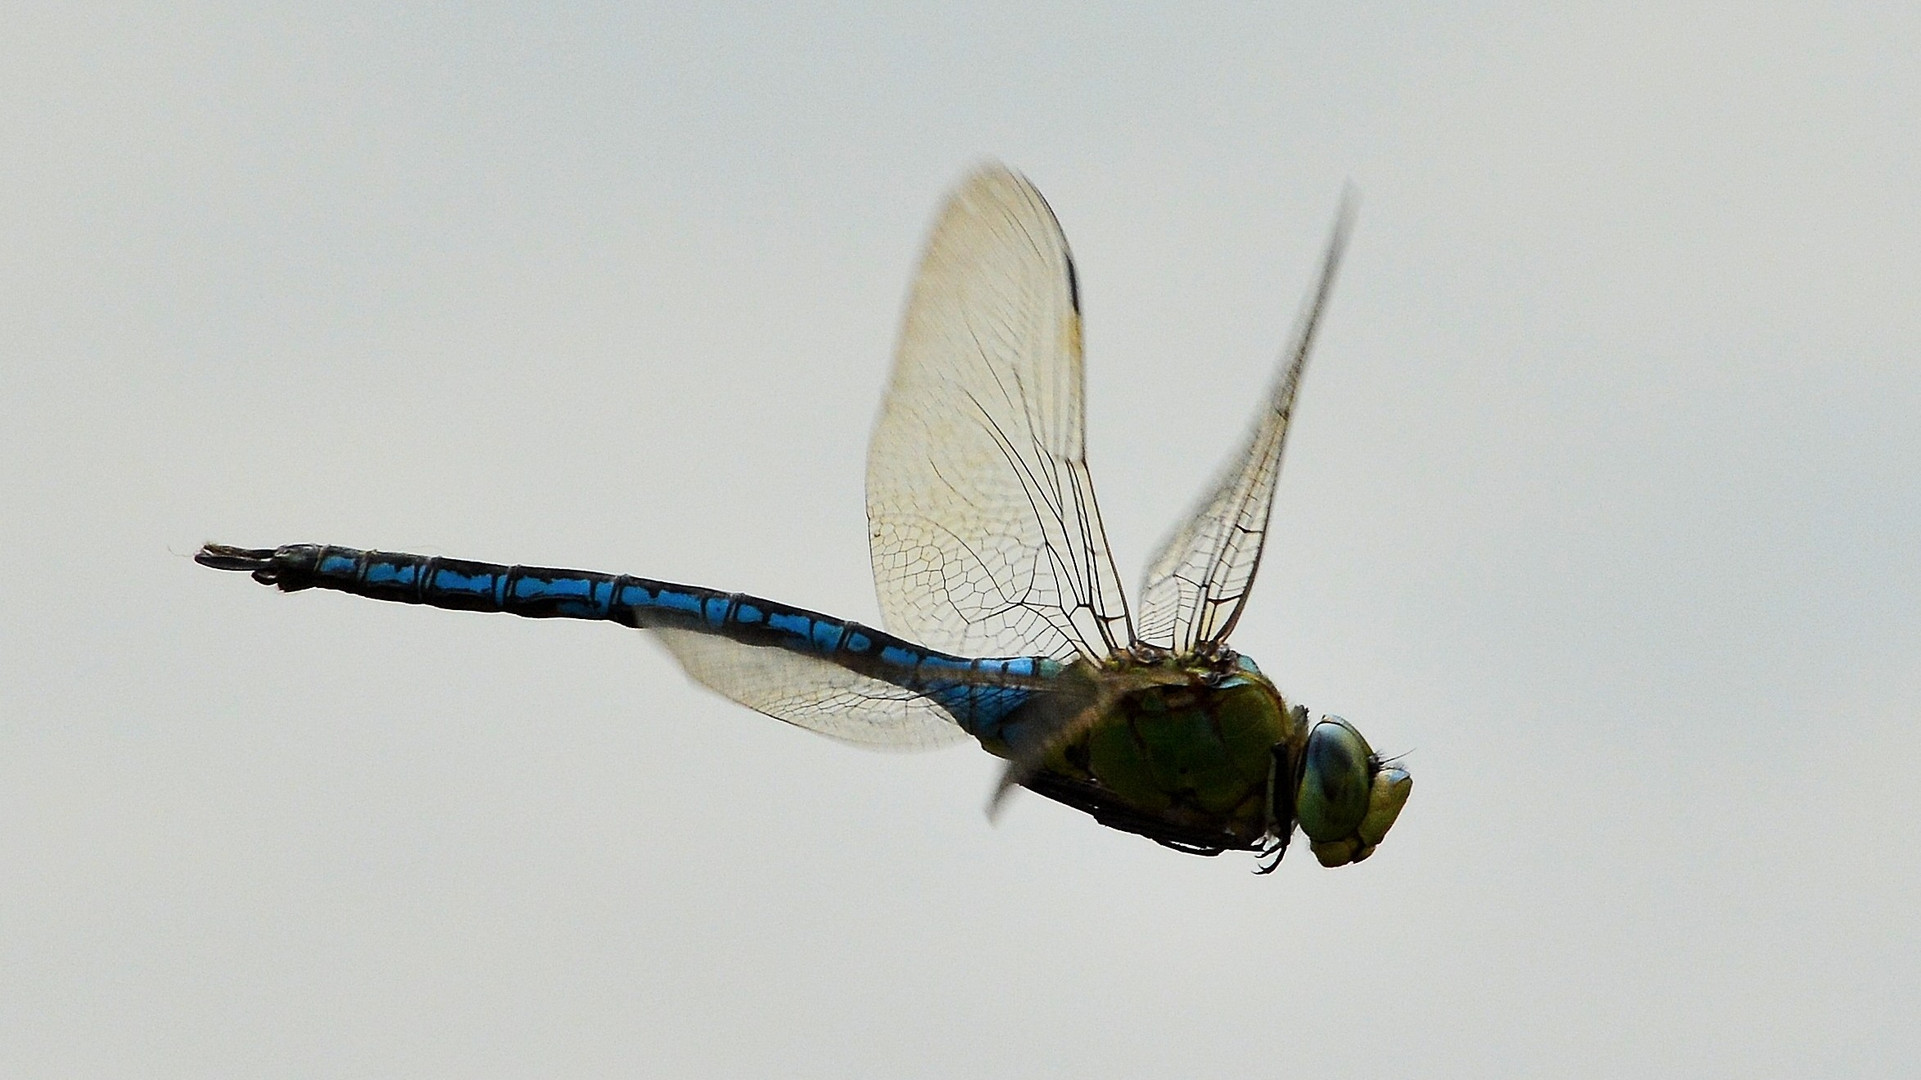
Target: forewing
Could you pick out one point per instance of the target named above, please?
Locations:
(1198, 582)
(812, 693)
(983, 529)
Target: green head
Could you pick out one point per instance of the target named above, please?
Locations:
(1347, 798)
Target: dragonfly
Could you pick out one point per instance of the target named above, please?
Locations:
(1005, 620)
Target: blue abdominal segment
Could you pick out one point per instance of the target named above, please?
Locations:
(980, 694)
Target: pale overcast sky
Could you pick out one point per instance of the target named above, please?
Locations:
(1602, 505)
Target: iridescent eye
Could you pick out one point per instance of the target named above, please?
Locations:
(1334, 784)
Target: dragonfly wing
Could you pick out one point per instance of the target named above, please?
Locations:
(1198, 582)
(812, 693)
(983, 529)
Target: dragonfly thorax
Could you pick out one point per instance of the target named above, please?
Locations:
(1185, 745)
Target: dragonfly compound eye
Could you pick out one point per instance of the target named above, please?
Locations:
(1348, 799)
(1332, 798)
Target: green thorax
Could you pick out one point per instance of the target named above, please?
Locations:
(1187, 744)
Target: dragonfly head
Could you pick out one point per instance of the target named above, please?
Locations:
(1347, 797)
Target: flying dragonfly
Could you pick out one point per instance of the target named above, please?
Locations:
(1005, 619)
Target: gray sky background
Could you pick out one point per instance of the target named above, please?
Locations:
(1602, 503)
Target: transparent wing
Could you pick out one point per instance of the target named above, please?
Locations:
(812, 693)
(982, 525)
(1198, 582)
